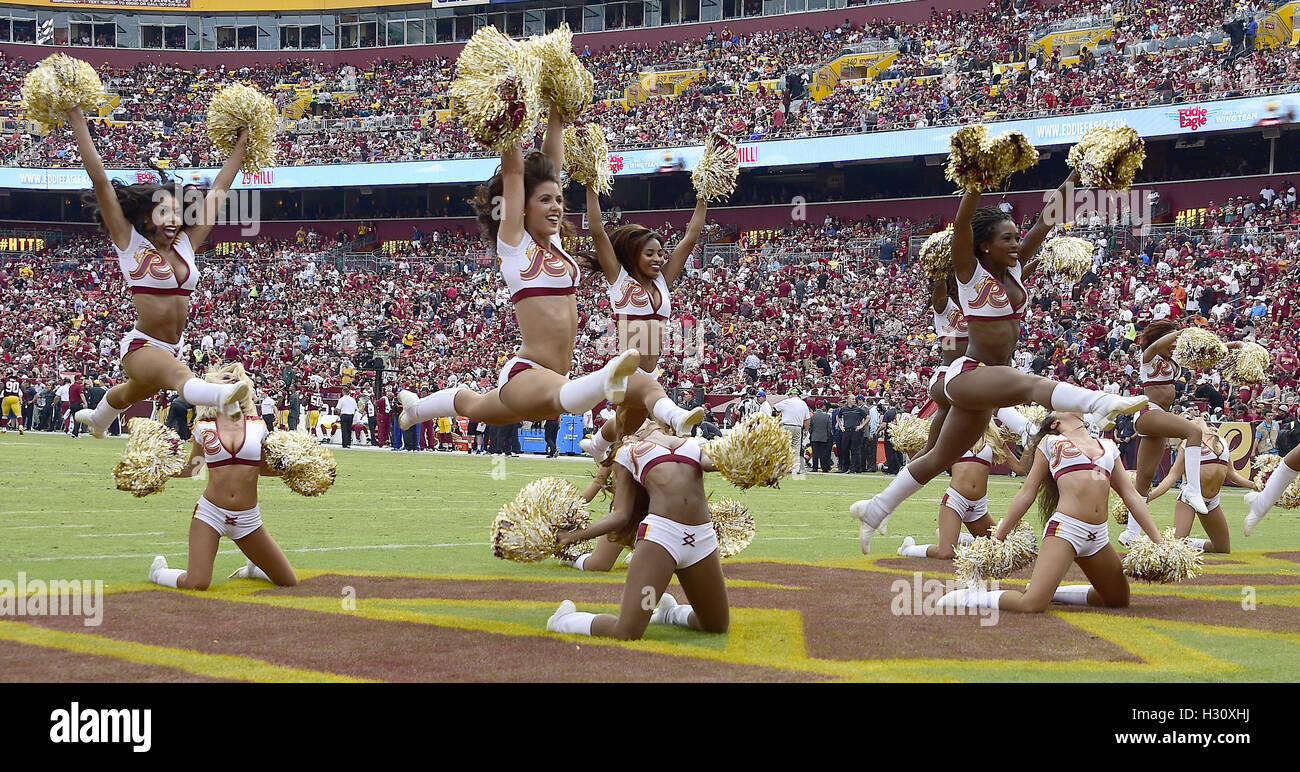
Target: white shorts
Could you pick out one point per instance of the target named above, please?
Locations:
(1211, 504)
(969, 511)
(959, 365)
(232, 524)
(653, 375)
(513, 367)
(688, 544)
(1150, 406)
(136, 340)
(1086, 538)
(935, 376)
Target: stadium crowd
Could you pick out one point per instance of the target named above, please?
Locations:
(955, 67)
(767, 317)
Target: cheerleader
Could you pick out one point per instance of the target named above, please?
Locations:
(990, 261)
(1262, 501)
(521, 211)
(1072, 476)
(232, 450)
(639, 277)
(657, 474)
(966, 502)
(607, 550)
(155, 246)
(1215, 469)
(951, 332)
(1155, 425)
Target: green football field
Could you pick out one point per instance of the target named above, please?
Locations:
(408, 535)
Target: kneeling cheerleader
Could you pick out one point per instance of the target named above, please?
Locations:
(1072, 475)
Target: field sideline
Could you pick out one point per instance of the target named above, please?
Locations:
(398, 583)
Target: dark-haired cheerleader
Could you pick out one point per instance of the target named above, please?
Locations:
(521, 211)
(990, 261)
(1215, 470)
(155, 234)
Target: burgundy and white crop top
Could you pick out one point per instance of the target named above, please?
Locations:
(1063, 456)
(985, 299)
(645, 455)
(629, 299)
(985, 456)
(249, 452)
(1160, 371)
(1209, 456)
(147, 272)
(951, 323)
(532, 270)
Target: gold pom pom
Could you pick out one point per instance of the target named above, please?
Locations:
(1173, 560)
(733, 524)
(154, 454)
(496, 91)
(987, 558)
(305, 466)
(1108, 158)
(526, 529)
(908, 434)
(55, 86)
(1198, 348)
(936, 254)
(1034, 413)
(565, 83)
(1118, 509)
(1067, 258)
(714, 177)
(1264, 466)
(995, 436)
(586, 153)
(979, 162)
(756, 452)
(1248, 365)
(244, 107)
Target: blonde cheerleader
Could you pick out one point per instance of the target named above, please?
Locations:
(1072, 476)
(231, 448)
(1215, 469)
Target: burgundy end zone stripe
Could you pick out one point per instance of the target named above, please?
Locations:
(652, 463)
(160, 291)
(533, 292)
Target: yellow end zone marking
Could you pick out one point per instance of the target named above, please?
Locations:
(187, 660)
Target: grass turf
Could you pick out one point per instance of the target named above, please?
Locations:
(409, 513)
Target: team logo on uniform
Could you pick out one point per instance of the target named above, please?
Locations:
(210, 441)
(957, 321)
(150, 263)
(989, 293)
(1161, 366)
(1064, 449)
(633, 294)
(688, 540)
(544, 261)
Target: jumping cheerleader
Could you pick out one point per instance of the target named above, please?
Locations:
(966, 501)
(1072, 476)
(155, 251)
(1261, 502)
(990, 261)
(1216, 467)
(658, 474)
(520, 210)
(1155, 425)
(232, 450)
(640, 278)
